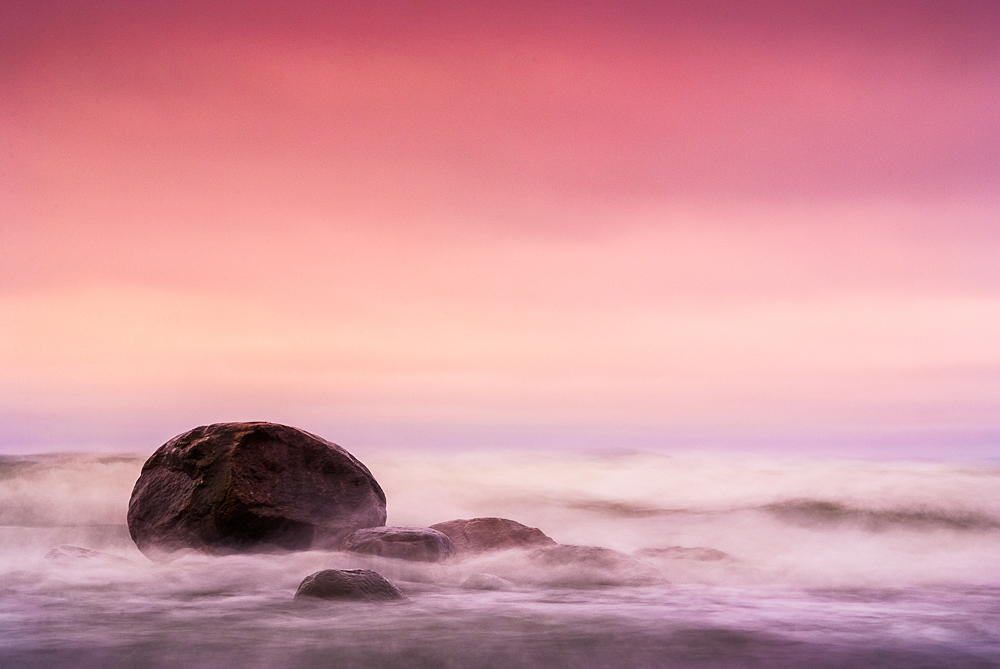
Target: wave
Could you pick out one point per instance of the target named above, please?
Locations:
(620, 509)
(820, 523)
(66, 489)
(89, 489)
(824, 513)
(815, 513)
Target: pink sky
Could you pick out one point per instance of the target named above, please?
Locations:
(706, 224)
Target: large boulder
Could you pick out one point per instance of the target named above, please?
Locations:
(420, 544)
(233, 487)
(480, 535)
(361, 585)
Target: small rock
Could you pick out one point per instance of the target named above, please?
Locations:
(481, 581)
(420, 544)
(361, 585)
(586, 566)
(591, 556)
(681, 553)
(479, 535)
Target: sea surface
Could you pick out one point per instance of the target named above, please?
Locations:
(814, 563)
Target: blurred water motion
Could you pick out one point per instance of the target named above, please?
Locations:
(758, 563)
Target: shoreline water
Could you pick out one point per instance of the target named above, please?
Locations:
(831, 563)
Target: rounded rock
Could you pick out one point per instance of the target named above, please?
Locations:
(586, 566)
(251, 487)
(699, 553)
(480, 535)
(361, 585)
(482, 581)
(420, 544)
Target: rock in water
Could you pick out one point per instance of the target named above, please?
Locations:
(481, 581)
(480, 535)
(348, 584)
(587, 566)
(680, 553)
(233, 487)
(421, 544)
(592, 556)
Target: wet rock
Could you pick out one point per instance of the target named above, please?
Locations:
(420, 544)
(480, 535)
(233, 487)
(594, 556)
(481, 581)
(67, 552)
(361, 585)
(582, 566)
(680, 553)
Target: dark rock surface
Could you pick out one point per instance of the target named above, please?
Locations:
(481, 581)
(699, 553)
(68, 552)
(420, 544)
(348, 584)
(233, 487)
(479, 535)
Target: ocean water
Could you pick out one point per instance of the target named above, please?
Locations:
(814, 563)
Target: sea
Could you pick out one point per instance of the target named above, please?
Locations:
(735, 560)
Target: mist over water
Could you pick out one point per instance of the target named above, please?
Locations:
(738, 561)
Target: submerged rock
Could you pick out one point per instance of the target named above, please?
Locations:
(233, 487)
(361, 585)
(681, 553)
(420, 544)
(68, 552)
(481, 581)
(569, 554)
(583, 566)
(479, 535)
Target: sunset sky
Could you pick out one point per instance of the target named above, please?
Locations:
(749, 225)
